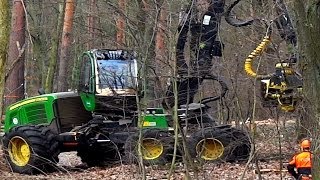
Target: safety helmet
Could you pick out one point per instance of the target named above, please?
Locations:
(305, 144)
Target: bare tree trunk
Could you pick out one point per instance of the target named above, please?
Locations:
(161, 61)
(4, 41)
(308, 26)
(65, 45)
(91, 23)
(14, 90)
(144, 49)
(54, 51)
(121, 24)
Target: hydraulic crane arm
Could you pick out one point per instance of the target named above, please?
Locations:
(204, 47)
(284, 24)
(202, 33)
(235, 22)
(283, 21)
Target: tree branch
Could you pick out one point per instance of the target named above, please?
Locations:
(21, 51)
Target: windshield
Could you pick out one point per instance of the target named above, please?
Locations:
(116, 74)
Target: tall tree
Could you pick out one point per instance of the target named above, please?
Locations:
(161, 60)
(54, 50)
(91, 23)
(65, 45)
(307, 15)
(4, 41)
(120, 23)
(14, 90)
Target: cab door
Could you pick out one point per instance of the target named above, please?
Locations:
(87, 81)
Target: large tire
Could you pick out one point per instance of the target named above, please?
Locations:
(99, 154)
(219, 144)
(209, 144)
(92, 152)
(241, 146)
(160, 143)
(31, 149)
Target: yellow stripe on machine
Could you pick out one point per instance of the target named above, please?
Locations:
(28, 101)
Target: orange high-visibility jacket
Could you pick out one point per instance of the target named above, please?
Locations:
(302, 160)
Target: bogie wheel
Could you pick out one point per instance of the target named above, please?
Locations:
(210, 148)
(156, 147)
(95, 147)
(31, 149)
(99, 155)
(210, 144)
(241, 146)
(219, 144)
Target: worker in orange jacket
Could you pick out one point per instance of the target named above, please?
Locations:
(300, 165)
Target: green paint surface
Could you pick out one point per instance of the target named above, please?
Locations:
(35, 110)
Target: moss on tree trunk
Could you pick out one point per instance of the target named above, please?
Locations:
(54, 51)
(308, 29)
(4, 40)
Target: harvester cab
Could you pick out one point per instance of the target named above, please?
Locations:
(107, 74)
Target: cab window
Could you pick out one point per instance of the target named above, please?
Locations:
(86, 76)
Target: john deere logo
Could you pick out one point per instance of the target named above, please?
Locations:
(15, 121)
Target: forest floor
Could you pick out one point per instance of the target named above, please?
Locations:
(269, 152)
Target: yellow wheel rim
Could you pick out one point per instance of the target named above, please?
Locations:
(151, 148)
(210, 149)
(19, 151)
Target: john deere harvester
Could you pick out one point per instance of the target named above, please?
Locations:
(100, 122)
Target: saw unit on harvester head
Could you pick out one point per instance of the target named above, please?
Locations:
(102, 121)
(282, 88)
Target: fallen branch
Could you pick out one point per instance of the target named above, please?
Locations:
(272, 170)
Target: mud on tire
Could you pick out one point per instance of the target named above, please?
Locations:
(31, 149)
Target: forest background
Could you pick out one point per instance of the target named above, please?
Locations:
(41, 46)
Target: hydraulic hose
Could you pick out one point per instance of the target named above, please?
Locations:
(257, 52)
(233, 21)
(224, 89)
